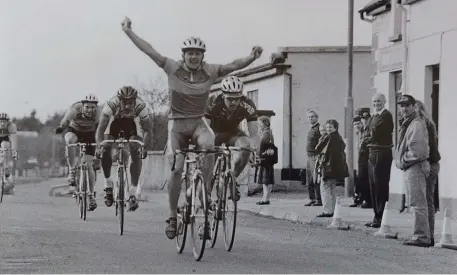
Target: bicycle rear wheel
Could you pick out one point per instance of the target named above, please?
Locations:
(120, 200)
(199, 210)
(182, 217)
(215, 210)
(230, 211)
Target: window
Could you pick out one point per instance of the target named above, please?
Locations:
(397, 81)
(254, 96)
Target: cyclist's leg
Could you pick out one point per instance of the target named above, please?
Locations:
(89, 137)
(177, 139)
(135, 169)
(242, 158)
(107, 162)
(71, 137)
(205, 138)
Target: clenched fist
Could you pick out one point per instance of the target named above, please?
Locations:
(256, 51)
(126, 24)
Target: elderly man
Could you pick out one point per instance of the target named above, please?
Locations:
(380, 143)
(411, 156)
(311, 142)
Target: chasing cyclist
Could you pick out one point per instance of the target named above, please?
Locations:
(120, 113)
(189, 83)
(8, 140)
(225, 112)
(81, 119)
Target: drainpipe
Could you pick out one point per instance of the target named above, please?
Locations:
(290, 124)
(404, 41)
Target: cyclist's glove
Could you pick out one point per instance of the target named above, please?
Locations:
(144, 153)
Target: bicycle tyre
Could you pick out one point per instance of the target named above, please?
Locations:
(1, 189)
(121, 200)
(84, 191)
(76, 194)
(215, 208)
(198, 251)
(229, 239)
(182, 221)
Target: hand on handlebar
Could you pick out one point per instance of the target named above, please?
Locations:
(59, 130)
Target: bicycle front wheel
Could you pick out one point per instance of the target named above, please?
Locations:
(199, 217)
(83, 193)
(1, 189)
(230, 211)
(182, 217)
(215, 209)
(120, 200)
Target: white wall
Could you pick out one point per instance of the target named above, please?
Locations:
(271, 97)
(432, 39)
(319, 82)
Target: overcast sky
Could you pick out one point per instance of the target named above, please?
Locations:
(55, 51)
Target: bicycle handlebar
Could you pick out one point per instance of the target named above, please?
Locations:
(125, 141)
(81, 144)
(4, 150)
(216, 150)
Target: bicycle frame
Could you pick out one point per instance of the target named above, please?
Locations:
(82, 161)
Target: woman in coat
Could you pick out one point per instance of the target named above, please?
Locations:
(333, 166)
(266, 173)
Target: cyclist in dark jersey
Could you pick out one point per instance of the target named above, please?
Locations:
(225, 112)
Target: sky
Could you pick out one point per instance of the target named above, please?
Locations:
(53, 52)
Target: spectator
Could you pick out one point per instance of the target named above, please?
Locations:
(357, 123)
(362, 176)
(433, 159)
(312, 140)
(269, 157)
(379, 140)
(411, 154)
(332, 166)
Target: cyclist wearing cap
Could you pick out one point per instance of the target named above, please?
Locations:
(8, 139)
(225, 112)
(124, 112)
(81, 119)
(189, 83)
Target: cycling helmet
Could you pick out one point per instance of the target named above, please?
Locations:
(232, 86)
(193, 43)
(127, 92)
(4, 116)
(90, 98)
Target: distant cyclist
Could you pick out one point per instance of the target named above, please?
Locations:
(81, 119)
(8, 140)
(225, 112)
(124, 112)
(189, 83)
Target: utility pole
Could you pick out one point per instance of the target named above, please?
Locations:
(349, 182)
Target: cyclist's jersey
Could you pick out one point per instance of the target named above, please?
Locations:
(75, 118)
(113, 109)
(188, 90)
(10, 129)
(225, 121)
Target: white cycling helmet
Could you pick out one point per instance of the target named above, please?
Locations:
(4, 116)
(232, 86)
(194, 43)
(90, 98)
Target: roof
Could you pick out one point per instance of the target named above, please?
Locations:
(325, 49)
(375, 4)
(280, 68)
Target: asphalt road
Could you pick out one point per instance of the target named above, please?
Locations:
(43, 234)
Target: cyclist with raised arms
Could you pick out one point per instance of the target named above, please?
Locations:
(189, 83)
(81, 119)
(225, 112)
(8, 140)
(120, 113)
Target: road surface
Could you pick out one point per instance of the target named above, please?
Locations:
(43, 234)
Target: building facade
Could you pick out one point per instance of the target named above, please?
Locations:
(414, 44)
(303, 79)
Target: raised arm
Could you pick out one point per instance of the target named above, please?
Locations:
(142, 44)
(240, 63)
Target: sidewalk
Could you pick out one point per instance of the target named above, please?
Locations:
(291, 207)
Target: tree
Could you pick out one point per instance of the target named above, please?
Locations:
(28, 123)
(155, 93)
